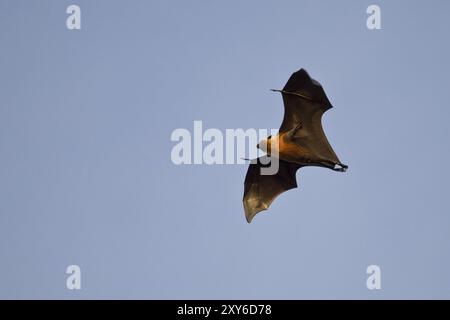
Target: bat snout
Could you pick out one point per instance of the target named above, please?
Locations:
(262, 145)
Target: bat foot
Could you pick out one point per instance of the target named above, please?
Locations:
(340, 167)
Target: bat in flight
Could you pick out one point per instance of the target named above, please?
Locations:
(300, 142)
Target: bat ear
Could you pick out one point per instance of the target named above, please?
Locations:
(300, 82)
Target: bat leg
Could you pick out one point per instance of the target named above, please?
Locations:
(339, 167)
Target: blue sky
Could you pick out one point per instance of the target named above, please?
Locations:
(85, 170)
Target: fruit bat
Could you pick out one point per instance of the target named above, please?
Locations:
(300, 142)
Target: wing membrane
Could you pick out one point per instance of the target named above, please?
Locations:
(260, 190)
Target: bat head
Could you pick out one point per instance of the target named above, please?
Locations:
(268, 145)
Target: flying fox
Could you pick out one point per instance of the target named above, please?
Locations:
(300, 142)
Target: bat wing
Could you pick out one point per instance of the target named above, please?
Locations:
(305, 102)
(260, 190)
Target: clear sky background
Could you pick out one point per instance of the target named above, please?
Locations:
(86, 176)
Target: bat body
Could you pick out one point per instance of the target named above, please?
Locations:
(300, 142)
